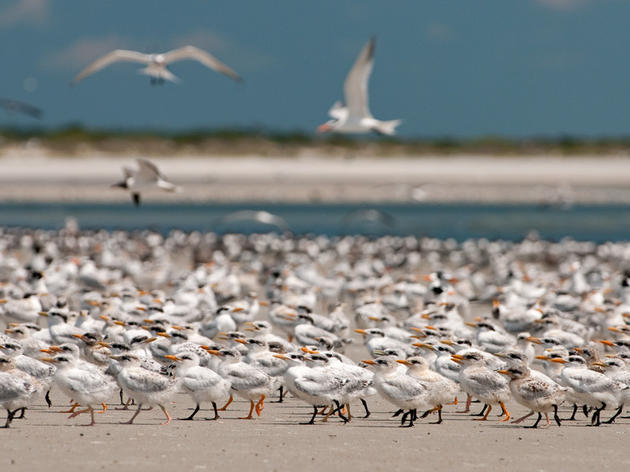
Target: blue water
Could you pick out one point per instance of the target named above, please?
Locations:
(459, 221)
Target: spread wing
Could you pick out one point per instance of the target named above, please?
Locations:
(207, 59)
(119, 55)
(356, 85)
(147, 171)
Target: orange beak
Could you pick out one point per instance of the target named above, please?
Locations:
(402, 361)
(370, 362)
(171, 357)
(324, 128)
(558, 361)
(280, 356)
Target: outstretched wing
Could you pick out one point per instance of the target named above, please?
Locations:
(119, 55)
(356, 85)
(147, 171)
(207, 59)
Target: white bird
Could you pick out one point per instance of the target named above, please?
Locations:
(355, 116)
(146, 176)
(85, 386)
(201, 383)
(156, 64)
(16, 388)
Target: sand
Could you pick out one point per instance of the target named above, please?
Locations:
(33, 176)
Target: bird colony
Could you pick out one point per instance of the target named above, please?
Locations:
(143, 320)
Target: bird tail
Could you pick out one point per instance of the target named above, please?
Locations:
(169, 187)
(387, 127)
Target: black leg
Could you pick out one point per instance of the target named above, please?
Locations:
(595, 420)
(426, 413)
(555, 415)
(614, 417)
(47, 398)
(414, 416)
(367, 410)
(398, 413)
(585, 410)
(9, 418)
(22, 411)
(535, 425)
(121, 396)
(216, 413)
(193, 413)
(404, 418)
(483, 410)
(312, 421)
(339, 412)
(575, 408)
(439, 421)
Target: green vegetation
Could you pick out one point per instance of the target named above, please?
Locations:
(74, 139)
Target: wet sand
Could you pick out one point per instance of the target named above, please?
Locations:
(32, 176)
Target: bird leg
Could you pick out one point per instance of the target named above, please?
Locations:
(126, 407)
(134, 415)
(454, 402)
(481, 412)
(79, 412)
(555, 415)
(92, 423)
(168, 417)
(216, 413)
(193, 413)
(71, 410)
(614, 417)
(104, 405)
(485, 417)
(586, 410)
(595, 420)
(47, 398)
(505, 412)
(312, 421)
(280, 398)
(398, 412)
(251, 410)
(338, 410)
(439, 412)
(10, 415)
(535, 425)
(224, 407)
(468, 402)
(575, 408)
(428, 412)
(21, 410)
(523, 418)
(349, 414)
(323, 410)
(121, 397)
(260, 405)
(365, 405)
(548, 420)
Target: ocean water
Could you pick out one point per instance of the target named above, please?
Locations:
(460, 221)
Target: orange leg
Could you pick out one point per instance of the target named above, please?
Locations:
(251, 410)
(224, 407)
(505, 412)
(485, 417)
(79, 412)
(323, 411)
(168, 417)
(454, 402)
(71, 410)
(349, 414)
(468, 402)
(260, 405)
(104, 408)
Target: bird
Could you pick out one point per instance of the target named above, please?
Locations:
(355, 116)
(156, 64)
(16, 388)
(145, 176)
(21, 107)
(540, 395)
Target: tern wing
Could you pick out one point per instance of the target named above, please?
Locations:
(147, 171)
(207, 59)
(119, 55)
(356, 85)
(14, 105)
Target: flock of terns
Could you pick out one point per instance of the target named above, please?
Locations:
(142, 318)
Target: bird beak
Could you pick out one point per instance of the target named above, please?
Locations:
(423, 346)
(263, 303)
(360, 331)
(237, 309)
(457, 358)
(534, 340)
(402, 361)
(78, 336)
(324, 128)
(103, 343)
(147, 341)
(249, 328)
(606, 342)
(503, 371)
(308, 351)
(171, 357)
(163, 334)
(119, 323)
(600, 364)
(3, 301)
(448, 342)
(614, 329)
(48, 359)
(281, 356)
(542, 358)
(370, 362)
(578, 349)
(558, 361)
(471, 324)
(42, 313)
(239, 340)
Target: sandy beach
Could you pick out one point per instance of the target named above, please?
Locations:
(33, 176)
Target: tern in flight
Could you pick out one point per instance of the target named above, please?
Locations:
(146, 176)
(355, 116)
(156, 64)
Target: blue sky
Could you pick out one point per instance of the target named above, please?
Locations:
(446, 67)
